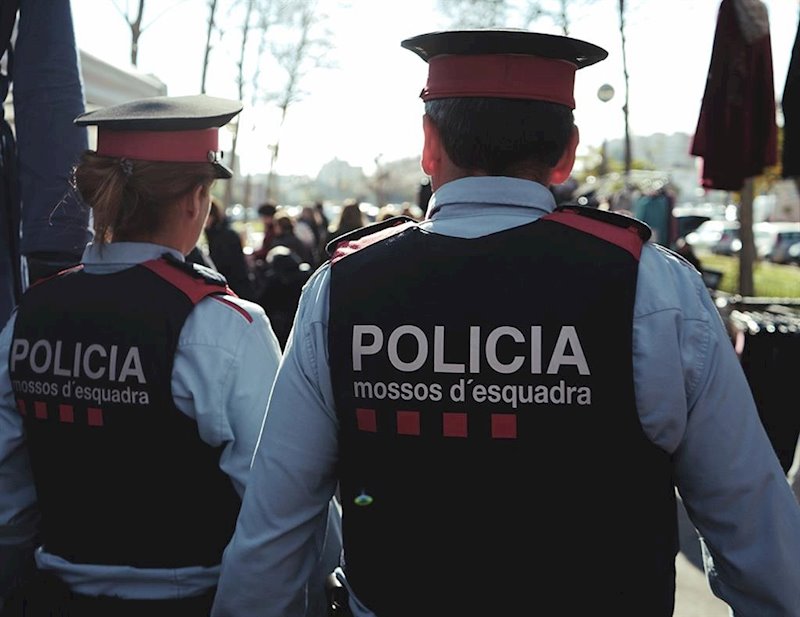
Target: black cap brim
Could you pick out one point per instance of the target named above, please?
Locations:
(505, 41)
(223, 172)
(164, 113)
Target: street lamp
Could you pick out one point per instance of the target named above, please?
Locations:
(605, 93)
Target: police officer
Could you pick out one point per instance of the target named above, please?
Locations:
(133, 386)
(508, 394)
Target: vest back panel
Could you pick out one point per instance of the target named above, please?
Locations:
(484, 389)
(121, 474)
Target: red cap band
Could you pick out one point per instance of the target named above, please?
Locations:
(508, 76)
(167, 146)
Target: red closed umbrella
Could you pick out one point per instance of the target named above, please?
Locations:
(737, 134)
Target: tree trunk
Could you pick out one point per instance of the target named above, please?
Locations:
(212, 8)
(293, 64)
(625, 105)
(136, 32)
(240, 85)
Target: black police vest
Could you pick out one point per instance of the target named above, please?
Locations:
(491, 456)
(121, 475)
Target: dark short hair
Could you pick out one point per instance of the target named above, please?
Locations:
(502, 136)
(267, 209)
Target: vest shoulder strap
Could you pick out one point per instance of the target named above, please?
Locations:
(194, 280)
(364, 236)
(626, 232)
(612, 218)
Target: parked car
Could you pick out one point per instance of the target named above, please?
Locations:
(793, 254)
(687, 223)
(729, 242)
(725, 239)
(781, 236)
(710, 233)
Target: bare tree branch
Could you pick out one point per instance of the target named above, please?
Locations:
(212, 9)
(136, 26)
(161, 14)
(297, 58)
(509, 13)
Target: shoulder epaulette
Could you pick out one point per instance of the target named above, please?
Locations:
(366, 230)
(613, 218)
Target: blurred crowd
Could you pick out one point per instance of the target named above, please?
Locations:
(292, 245)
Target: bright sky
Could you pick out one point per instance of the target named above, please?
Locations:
(368, 105)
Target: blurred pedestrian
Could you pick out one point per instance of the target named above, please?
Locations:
(451, 379)
(282, 280)
(350, 218)
(412, 211)
(132, 386)
(424, 193)
(266, 213)
(198, 256)
(386, 212)
(285, 235)
(311, 230)
(226, 251)
(323, 218)
(265, 282)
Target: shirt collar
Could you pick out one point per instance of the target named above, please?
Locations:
(126, 253)
(492, 190)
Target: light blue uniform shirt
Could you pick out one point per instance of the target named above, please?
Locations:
(222, 376)
(691, 392)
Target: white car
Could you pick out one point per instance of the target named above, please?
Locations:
(780, 235)
(709, 234)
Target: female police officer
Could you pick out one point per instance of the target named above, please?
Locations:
(133, 386)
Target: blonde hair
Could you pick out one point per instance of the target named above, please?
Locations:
(129, 199)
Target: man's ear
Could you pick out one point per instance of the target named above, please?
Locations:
(432, 148)
(563, 168)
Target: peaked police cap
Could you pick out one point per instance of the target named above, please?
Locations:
(502, 63)
(181, 129)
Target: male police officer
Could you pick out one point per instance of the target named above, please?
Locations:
(508, 383)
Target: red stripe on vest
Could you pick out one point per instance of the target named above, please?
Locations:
(57, 274)
(624, 237)
(193, 288)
